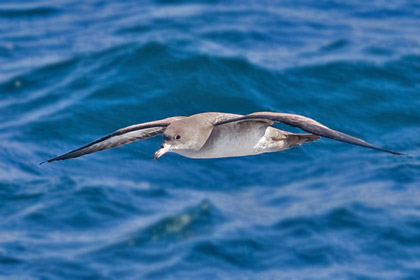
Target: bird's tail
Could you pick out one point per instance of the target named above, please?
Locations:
(294, 139)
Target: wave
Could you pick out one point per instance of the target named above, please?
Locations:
(25, 13)
(73, 72)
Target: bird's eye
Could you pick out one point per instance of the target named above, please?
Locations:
(177, 137)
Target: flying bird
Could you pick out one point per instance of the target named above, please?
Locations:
(219, 135)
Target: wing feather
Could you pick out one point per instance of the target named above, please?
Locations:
(120, 137)
(308, 125)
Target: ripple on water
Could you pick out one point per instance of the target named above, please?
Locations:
(74, 71)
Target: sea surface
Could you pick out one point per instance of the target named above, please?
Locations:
(72, 71)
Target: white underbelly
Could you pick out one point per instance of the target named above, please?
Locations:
(238, 139)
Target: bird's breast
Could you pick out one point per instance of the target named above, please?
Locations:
(238, 139)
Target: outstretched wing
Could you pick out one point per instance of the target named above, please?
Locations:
(120, 137)
(306, 124)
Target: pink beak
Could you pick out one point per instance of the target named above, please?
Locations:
(163, 150)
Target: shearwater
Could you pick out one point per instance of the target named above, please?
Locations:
(219, 135)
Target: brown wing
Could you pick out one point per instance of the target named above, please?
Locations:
(306, 124)
(120, 137)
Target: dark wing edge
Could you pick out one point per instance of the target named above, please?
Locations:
(308, 125)
(119, 137)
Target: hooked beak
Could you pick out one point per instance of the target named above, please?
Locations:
(163, 150)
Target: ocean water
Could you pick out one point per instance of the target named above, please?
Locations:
(72, 71)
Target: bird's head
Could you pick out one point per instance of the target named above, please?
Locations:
(181, 135)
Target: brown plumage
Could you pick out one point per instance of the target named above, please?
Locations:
(211, 135)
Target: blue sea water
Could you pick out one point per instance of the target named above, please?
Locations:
(72, 71)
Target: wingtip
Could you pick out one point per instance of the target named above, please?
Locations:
(48, 161)
(41, 163)
(392, 152)
(400, 154)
